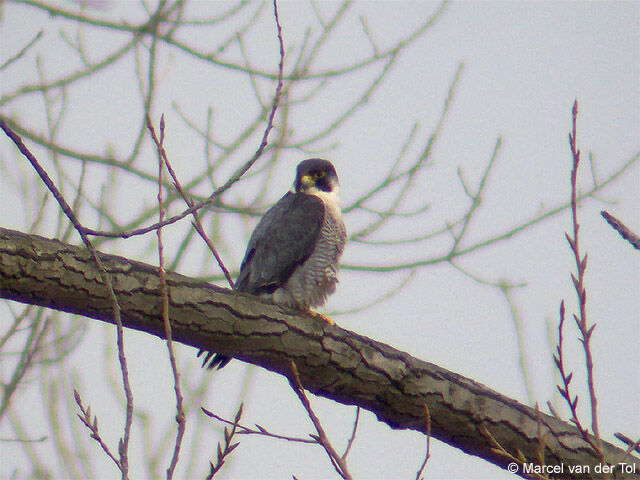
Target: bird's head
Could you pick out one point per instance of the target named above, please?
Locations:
(315, 176)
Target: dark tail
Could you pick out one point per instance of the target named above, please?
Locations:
(213, 360)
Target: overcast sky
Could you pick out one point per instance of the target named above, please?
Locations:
(522, 66)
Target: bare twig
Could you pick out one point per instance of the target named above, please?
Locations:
(336, 460)
(447, 257)
(405, 176)
(631, 445)
(244, 430)
(517, 322)
(234, 178)
(123, 446)
(581, 265)
(22, 51)
(622, 229)
(92, 425)
(476, 198)
(180, 417)
(427, 455)
(26, 359)
(572, 402)
(540, 450)
(24, 440)
(581, 319)
(353, 434)
(189, 201)
(552, 410)
(225, 451)
(518, 459)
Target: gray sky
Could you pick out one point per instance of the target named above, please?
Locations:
(524, 64)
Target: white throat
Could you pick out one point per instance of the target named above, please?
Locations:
(330, 199)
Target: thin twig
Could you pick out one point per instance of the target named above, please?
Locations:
(427, 455)
(353, 435)
(500, 450)
(244, 430)
(189, 201)
(476, 198)
(123, 446)
(337, 461)
(622, 229)
(22, 51)
(26, 360)
(180, 417)
(564, 391)
(631, 445)
(224, 452)
(447, 257)
(234, 178)
(517, 322)
(540, 449)
(92, 425)
(581, 265)
(552, 410)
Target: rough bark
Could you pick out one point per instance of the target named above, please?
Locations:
(332, 362)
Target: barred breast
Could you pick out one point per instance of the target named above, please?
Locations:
(312, 282)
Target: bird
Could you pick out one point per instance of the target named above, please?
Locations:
(293, 253)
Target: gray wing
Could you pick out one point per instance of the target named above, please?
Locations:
(283, 239)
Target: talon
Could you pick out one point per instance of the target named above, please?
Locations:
(321, 317)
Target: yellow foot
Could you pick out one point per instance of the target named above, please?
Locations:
(320, 316)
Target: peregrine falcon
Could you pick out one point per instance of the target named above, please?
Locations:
(293, 253)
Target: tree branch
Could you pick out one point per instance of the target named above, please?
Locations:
(332, 362)
(622, 229)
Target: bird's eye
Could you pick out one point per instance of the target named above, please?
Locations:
(320, 174)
